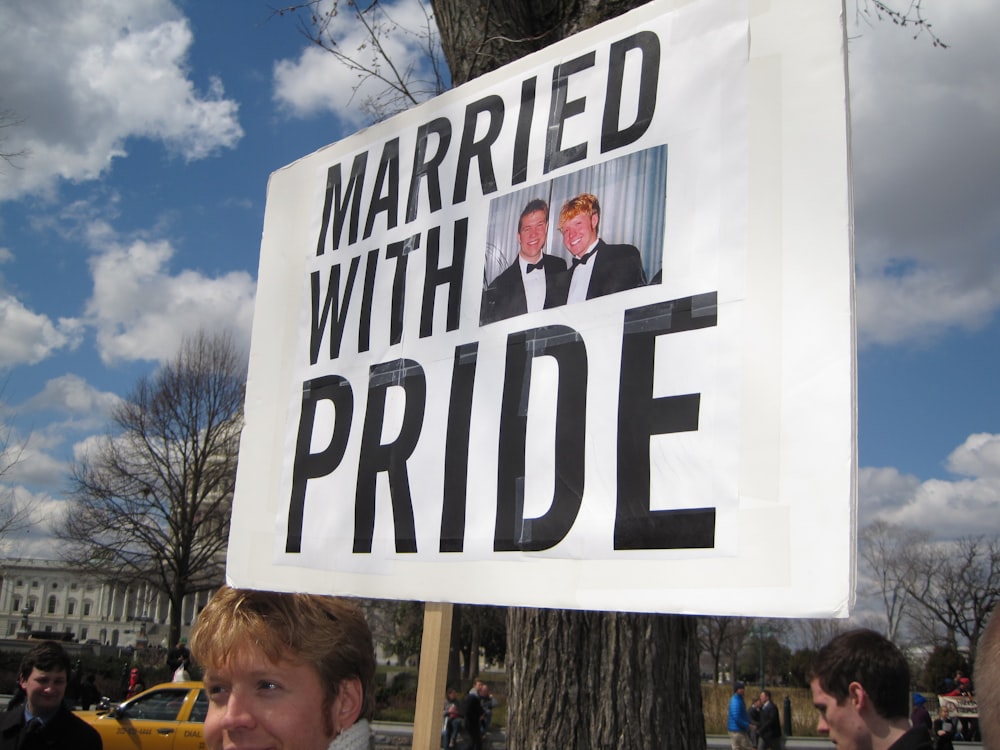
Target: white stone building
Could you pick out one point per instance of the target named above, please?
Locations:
(45, 596)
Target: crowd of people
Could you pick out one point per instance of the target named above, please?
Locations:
(472, 714)
(860, 685)
(948, 726)
(298, 670)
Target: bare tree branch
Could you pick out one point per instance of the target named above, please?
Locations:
(153, 499)
(10, 119)
(957, 585)
(393, 87)
(16, 513)
(911, 17)
(890, 573)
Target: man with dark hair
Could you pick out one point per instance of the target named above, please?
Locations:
(44, 721)
(532, 282)
(472, 714)
(769, 730)
(860, 685)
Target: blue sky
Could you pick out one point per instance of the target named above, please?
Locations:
(150, 128)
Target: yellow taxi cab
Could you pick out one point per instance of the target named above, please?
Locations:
(168, 716)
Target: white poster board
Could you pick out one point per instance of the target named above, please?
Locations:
(673, 431)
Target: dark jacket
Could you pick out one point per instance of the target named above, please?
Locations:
(471, 710)
(64, 731)
(944, 733)
(915, 739)
(770, 724)
(921, 718)
(616, 268)
(505, 297)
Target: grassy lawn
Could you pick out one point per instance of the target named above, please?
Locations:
(397, 693)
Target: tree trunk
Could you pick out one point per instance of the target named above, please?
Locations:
(478, 36)
(578, 679)
(176, 615)
(602, 680)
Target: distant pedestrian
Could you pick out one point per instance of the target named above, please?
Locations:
(89, 694)
(452, 722)
(945, 730)
(921, 717)
(472, 714)
(178, 656)
(738, 721)
(135, 683)
(769, 731)
(754, 712)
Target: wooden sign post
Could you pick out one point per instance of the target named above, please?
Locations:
(433, 675)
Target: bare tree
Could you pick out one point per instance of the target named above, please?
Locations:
(9, 119)
(957, 585)
(16, 513)
(723, 638)
(815, 633)
(890, 571)
(153, 498)
(390, 85)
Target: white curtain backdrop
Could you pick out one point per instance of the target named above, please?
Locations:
(632, 193)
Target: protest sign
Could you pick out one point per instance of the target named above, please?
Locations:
(669, 426)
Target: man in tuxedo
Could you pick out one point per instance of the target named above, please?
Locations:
(529, 283)
(598, 267)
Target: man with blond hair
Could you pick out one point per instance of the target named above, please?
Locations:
(285, 670)
(598, 268)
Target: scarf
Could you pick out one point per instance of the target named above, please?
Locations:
(358, 736)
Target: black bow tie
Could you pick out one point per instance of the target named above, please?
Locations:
(532, 266)
(582, 260)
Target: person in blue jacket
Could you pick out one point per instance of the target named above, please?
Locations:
(738, 722)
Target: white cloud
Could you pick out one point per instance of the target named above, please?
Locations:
(37, 468)
(316, 82)
(71, 394)
(923, 303)
(947, 509)
(86, 75)
(35, 541)
(978, 456)
(89, 447)
(140, 311)
(927, 173)
(29, 337)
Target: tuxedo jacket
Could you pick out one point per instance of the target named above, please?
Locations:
(616, 268)
(505, 297)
